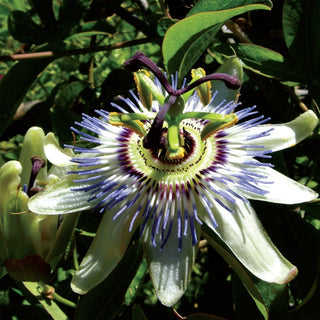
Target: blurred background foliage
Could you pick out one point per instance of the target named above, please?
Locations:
(59, 58)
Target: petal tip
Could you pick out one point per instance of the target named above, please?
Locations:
(168, 298)
(290, 276)
(76, 289)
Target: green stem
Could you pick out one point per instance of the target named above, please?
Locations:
(75, 259)
(58, 54)
(64, 301)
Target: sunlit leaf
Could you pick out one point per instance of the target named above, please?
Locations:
(206, 6)
(202, 25)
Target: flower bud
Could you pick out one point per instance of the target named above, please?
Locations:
(30, 244)
(233, 67)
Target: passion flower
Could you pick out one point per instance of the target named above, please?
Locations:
(170, 166)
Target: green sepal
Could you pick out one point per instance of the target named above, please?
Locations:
(147, 89)
(204, 89)
(221, 122)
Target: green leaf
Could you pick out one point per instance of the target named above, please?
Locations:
(178, 50)
(3, 271)
(313, 292)
(164, 24)
(4, 13)
(275, 297)
(87, 34)
(69, 93)
(266, 62)
(242, 273)
(135, 284)
(197, 46)
(14, 86)
(105, 300)
(206, 6)
(70, 15)
(137, 313)
(244, 305)
(301, 26)
(62, 119)
(24, 29)
(45, 12)
(102, 26)
(61, 114)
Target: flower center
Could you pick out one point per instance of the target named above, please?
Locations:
(155, 164)
(187, 146)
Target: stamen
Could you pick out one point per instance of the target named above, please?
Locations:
(139, 60)
(231, 82)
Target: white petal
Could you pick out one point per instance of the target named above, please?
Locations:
(284, 135)
(243, 233)
(105, 252)
(54, 152)
(281, 189)
(169, 269)
(59, 199)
